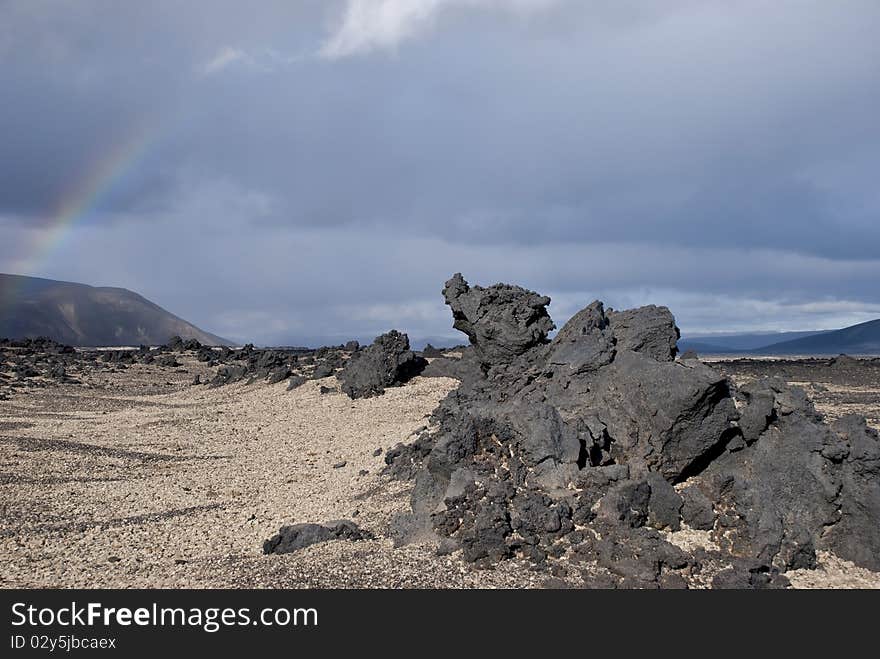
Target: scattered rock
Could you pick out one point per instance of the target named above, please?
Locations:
(744, 575)
(465, 368)
(293, 538)
(278, 374)
(430, 351)
(228, 375)
(324, 370)
(295, 381)
(387, 362)
(664, 505)
(697, 511)
(168, 361)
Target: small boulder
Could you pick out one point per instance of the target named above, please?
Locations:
(293, 538)
(388, 362)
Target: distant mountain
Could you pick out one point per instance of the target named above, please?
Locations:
(83, 315)
(861, 339)
(694, 345)
(735, 343)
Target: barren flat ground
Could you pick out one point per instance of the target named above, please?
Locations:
(139, 479)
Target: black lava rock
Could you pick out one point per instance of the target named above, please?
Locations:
(388, 362)
(293, 538)
(601, 429)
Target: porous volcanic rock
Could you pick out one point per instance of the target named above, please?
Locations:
(501, 321)
(37, 362)
(387, 362)
(856, 535)
(598, 441)
(430, 351)
(650, 330)
(295, 381)
(298, 536)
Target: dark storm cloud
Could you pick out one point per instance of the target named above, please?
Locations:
(327, 165)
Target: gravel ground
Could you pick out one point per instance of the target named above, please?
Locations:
(141, 480)
(110, 487)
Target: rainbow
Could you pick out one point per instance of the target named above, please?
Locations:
(86, 194)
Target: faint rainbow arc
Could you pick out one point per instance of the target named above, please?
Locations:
(89, 190)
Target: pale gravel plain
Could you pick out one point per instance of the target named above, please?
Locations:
(141, 480)
(104, 488)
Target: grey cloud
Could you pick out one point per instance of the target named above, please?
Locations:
(681, 150)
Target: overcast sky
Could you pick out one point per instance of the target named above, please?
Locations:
(302, 171)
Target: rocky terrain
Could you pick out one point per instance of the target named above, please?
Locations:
(40, 362)
(595, 444)
(597, 458)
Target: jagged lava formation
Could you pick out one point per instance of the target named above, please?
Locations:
(595, 443)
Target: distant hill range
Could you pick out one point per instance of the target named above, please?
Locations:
(861, 339)
(81, 315)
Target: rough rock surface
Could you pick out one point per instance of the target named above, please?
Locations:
(388, 362)
(35, 363)
(856, 536)
(38, 362)
(501, 321)
(298, 536)
(597, 442)
(650, 330)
